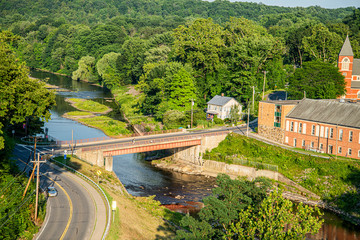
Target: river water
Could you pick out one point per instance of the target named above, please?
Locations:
(139, 176)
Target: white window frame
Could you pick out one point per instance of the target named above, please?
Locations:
(300, 127)
(331, 135)
(287, 125)
(295, 126)
(339, 149)
(294, 141)
(349, 151)
(326, 132)
(341, 133)
(286, 139)
(359, 153)
(322, 131)
(312, 129)
(303, 143)
(304, 130)
(321, 146)
(350, 136)
(345, 64)
(291, 126)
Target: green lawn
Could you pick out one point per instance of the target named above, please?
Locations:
(88, 105)
(336, 181)
(108, 125)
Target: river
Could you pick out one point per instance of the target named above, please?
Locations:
(139, 176)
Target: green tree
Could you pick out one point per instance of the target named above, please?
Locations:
(235, 114)
(276, 218)
(20, 97)
(85, 70)
(199, 44)
(106, 68)
(318, 79)
(223, 207)
(322, 44)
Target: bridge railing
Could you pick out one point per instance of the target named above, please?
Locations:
(152, 141)
(99, 139)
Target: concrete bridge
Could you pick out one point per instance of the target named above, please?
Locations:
(188, 147)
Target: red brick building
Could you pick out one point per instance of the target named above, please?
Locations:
(328, 126)
(350, 68)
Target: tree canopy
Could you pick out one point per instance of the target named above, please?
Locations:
(318, 80)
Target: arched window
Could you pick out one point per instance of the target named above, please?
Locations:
(345, 64)
(358, 94)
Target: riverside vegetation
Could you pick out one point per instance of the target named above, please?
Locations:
(335, 181)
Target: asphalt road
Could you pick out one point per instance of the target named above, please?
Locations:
(77, 212)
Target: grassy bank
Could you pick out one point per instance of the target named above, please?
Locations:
(88, 105)
(135, 217)
(336, 181)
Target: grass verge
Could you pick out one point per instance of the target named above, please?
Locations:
(88, 105)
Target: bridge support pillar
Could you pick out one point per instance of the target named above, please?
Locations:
(108, 163)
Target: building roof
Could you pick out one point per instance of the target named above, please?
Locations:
(355, 84)
(356, 67)
(327, 111)
(283, 102)
(219, 100)
(346, 49)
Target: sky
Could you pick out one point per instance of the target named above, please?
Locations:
(307, 3)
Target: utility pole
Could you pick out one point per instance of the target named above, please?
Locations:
(192, 104)
(264, 84)
(253, 99)
(37, 186)
(247, 128)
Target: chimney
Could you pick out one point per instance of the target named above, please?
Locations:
(222, 94)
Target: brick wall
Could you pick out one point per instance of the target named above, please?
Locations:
(321, 138)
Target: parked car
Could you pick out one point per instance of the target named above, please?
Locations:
(52, 192)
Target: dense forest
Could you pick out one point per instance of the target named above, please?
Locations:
(174, 51)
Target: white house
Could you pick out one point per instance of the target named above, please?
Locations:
(221, 106)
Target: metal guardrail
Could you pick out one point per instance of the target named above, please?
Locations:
(154, 141)
(95, 184)
(99, 139)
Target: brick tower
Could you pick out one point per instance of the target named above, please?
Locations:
(350, 69)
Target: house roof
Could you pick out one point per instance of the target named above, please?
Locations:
(346, 49)
(327, 111)
(219, 100)
(356, 67)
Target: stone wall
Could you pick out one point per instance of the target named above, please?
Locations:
(213, 168)
(272, 133)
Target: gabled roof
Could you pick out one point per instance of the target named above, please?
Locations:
(346, 49)
(327, 111)
(219, 100)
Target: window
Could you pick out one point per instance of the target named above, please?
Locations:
(300, 127)
(331, 132)
(312, 144)
(340, 134)
(349, 151)
(287, 125)
(340, 150)
(326, 132)
(358, 94)
(286, 139)
(304, 129)
(359, 153)
(313, 130)
(294, 142)
(295, 126)
(357, 77)
(317, 130)
(322, 131)
(330, 149)
(350, 136)
(321, 146)
(345, 64)
(303, 143)
(292, 126)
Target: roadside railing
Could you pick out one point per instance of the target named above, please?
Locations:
(135, 143)
(96, 185)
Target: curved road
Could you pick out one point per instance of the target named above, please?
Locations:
(77, 212)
